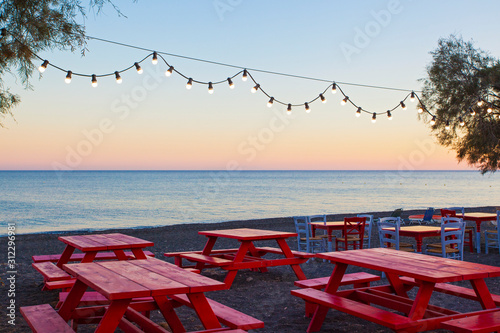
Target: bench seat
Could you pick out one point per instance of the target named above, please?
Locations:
(220, 251)
(483, 323)
(215, 261)
(50, 271)
(360, 279)
(79, 256)
(227, 316)
(44, 319)
(275, 250)
(382, 317)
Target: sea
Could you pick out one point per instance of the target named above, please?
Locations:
(53, 201)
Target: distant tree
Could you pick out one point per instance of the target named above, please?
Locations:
(31, 26)
(463, 91)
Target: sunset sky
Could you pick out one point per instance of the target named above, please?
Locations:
(153, 122)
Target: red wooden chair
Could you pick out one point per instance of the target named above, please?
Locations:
(469, 231)
(352, 233)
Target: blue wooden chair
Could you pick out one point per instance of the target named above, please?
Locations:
(492, 237)
(304, 240)
(368, 229)
(452, 241)
(390, 238)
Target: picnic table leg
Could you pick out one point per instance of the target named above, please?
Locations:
(113, 315)
(120, 254)
(288, 254)
(240, 255)
(421, 300)
(169, 314)
(89, 256)
(331, 288)
(139, 253)
(483, 294)
(419, 242)
(253, 251)
(65, 256)
(206, 251)
(396, 284)
(204, 310)
(72, 300)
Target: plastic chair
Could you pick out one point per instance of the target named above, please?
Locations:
(390, 238)
(492, 237)
(368, 228)
(304, 240)
(452, 241)
(428, 216)
(469, 230)
(353, 233)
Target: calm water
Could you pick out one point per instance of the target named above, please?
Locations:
(46, 201)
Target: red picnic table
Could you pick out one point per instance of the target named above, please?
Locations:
(148, 283)
(419, 232)
(90, 246)
(479, 217)
(247, 256)
(404, 270)
(420, 217)
(329, 227)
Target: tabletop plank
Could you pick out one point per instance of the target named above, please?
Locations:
(130, 240)
(83, 243)
(159, 284)
(248, 234)
(111, 285)
(110, 243)
(195, 282)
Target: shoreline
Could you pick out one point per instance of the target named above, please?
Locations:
(265, 296)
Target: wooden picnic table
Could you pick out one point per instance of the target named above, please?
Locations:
(479, 217)
(247, 256)
(404, 270)
(419, 232)
(122, 281)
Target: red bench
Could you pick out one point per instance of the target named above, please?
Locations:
(79, 256)
(483, 323)
(50, 271)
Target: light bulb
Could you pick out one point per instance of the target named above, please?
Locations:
(270, 103)
(358, 112)
(472, 112)
(210, 88)
(68, 77)
(334, 88)
(189, 84)
(389, 115)
(308, 109)
(403, 106)
(489, 110)
(138, 68)
(433, 120)
(154, 61)
(43, 66)
(289, 109)
(230, 82)
(374, 117)
(447, 126)
(480, 102)
(462, 122)
(344, 101)
(254, 89)
(323, 99)
(245, 73)
(118, 77)
(94, 80)
(420, 110)
(169, 71)
(412, 96)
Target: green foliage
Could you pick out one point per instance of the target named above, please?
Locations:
(458, 77)
(32, 26)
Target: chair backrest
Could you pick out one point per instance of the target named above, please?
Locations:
(369, 224)
(390, 236)
(354, 226)
(458, 210)
(448, 213)
(317, 218)
(302, 226)
(428, 214)
(397, 212)
(453, 237)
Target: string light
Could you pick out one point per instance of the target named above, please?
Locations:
(169, 71)
(118, 77)
(358, 112)
(189, 84)
(389, 115)
(68, 77)
(323, 99)
(270, 103)
(94, 80)
(138, 68)
(289, 109)
(420, 109)
(210, 88)
(154, 61)
(374, 117)
(308, 109)
(230, 82)
(447, 126)
(255, 88)
(344, 101)
(412, 96)
(489, 110)
(43, 66)
(433, 120)
(334, 88)
(479, 102)
(471, 111)
(244, 77)
(403, 105)
(461, 121)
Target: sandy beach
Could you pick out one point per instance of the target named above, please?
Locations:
(265, 296)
